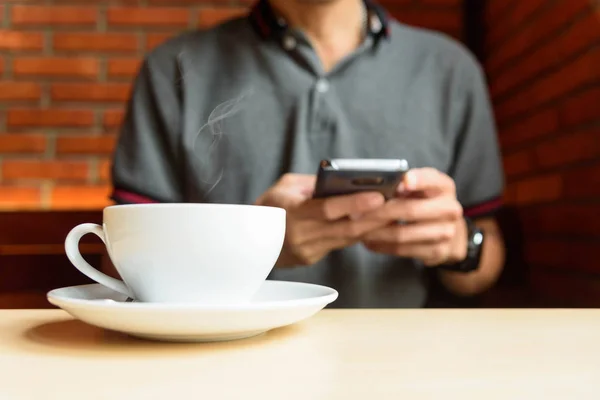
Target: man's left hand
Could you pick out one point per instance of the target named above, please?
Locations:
(433, 229)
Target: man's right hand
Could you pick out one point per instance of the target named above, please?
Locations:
(315, 227)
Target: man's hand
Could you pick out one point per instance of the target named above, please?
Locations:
(433, 230)
(315, 227)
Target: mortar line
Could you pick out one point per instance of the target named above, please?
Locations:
(541, 43)
(93, 166)
(101, 23)
(7, 22)
(46, 194)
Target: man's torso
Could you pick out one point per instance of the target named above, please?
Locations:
(253, 110)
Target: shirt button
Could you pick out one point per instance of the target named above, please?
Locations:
(322, 86)
(289, 42)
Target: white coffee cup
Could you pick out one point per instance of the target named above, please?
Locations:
(215, 254)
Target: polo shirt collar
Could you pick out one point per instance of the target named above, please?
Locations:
(268, 25)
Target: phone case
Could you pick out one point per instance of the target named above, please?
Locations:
(346, 176)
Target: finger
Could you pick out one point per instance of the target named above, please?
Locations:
(299, 232)
(430, 254)
(285, 197)
(427, 180)
(351, 229)
(336, 207)
(314, 251)
(303, 181)
(439, 208)
(430, 232)
(289, 191)
(306, 231)
(297, 184)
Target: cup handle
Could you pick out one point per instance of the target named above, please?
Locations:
(73, 254)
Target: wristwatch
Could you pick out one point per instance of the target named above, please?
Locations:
(475, 238)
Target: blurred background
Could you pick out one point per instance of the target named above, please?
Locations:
(65, 73)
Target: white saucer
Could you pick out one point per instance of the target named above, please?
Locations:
(277, 304)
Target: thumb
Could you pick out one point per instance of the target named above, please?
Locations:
(290, 190)
(296, 185)
(282, 196)
(426, 180)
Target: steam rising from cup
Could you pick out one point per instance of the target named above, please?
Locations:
(209, 143)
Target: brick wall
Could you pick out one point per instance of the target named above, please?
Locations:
(543, 64)
(65, 72)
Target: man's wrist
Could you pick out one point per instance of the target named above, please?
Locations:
(467, 259)
(459, 249)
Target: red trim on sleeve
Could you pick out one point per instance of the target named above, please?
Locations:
(483, 208)
(131, 197)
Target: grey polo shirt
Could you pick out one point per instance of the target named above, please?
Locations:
(218, 115)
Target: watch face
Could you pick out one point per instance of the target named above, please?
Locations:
(471, 262)
(478, 238)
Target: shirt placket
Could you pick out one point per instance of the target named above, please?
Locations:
(321, 120)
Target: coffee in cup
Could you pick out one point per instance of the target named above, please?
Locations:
(214, 254)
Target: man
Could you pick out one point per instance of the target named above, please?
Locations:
(299, 81)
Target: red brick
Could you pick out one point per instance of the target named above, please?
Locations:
(14, 91)
(80, 197)
(569, 148)
(103, 2)
(494, 8)
(510, 193)
(14, 40)
(56, 67)
(212, 16)
(569, 256)
(123, 68)
(24, 15)
(34, 169)
(518, 163)
(201, 2)
(574, 40)
(559, 14)
(517, 15)
(540, 124)
(561, 289)
(443, 20)
(95, 92)
(155, 39)
(22, 143)
(583, 183)
(104, 170)
(91, 41)
(151, 17)
(112, 119)
(539, 189)
(16, 197)
(49, 118)
(580, 109)
(576, 74)
(561, 219)
(92, 145)
(446, 3)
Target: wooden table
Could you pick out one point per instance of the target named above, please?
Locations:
(337, 354)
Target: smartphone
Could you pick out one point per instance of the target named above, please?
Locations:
(341, 176)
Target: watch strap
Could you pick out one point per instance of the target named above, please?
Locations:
(475, 238)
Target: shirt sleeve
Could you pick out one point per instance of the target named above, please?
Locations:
(146, 161)
(477, 168)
